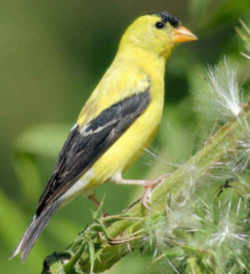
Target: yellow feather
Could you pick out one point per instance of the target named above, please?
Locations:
(132, 71)
(139, 63)
(139, 66)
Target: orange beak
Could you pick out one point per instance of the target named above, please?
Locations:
(182, 34)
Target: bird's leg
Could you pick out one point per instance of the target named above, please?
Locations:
(148, 185)
(92, 198)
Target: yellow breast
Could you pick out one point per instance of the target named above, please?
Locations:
(123, 79)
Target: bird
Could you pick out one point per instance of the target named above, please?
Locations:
(117, 122)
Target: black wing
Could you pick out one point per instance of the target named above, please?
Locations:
(84, 146)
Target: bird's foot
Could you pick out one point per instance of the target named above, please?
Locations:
(98, 204)
(149, 186)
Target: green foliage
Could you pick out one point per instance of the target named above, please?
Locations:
(198, 220)
(51, 60)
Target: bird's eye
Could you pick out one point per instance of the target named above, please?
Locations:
(160, 25)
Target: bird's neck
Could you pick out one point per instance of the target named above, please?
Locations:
(140, 57)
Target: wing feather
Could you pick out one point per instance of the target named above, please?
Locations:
(85, 145)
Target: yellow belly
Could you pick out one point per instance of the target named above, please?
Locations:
(129, 146)
(126, 77)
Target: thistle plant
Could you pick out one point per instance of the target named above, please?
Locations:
(244, 33)
(199, 218)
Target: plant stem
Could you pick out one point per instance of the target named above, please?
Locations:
(129, 230)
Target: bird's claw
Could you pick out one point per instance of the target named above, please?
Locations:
(146, 198)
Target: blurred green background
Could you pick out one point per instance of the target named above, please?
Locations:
(52, 54)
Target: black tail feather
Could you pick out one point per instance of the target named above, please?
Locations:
(32, 233)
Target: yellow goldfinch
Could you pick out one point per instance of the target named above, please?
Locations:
(118, 121)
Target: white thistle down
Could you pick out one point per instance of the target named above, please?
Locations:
(225, 88)
(227, 229)
(244, 33)
(245, 55)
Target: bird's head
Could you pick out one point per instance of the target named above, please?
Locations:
(157, 32)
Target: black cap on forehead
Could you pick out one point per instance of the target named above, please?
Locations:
(166, 17)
